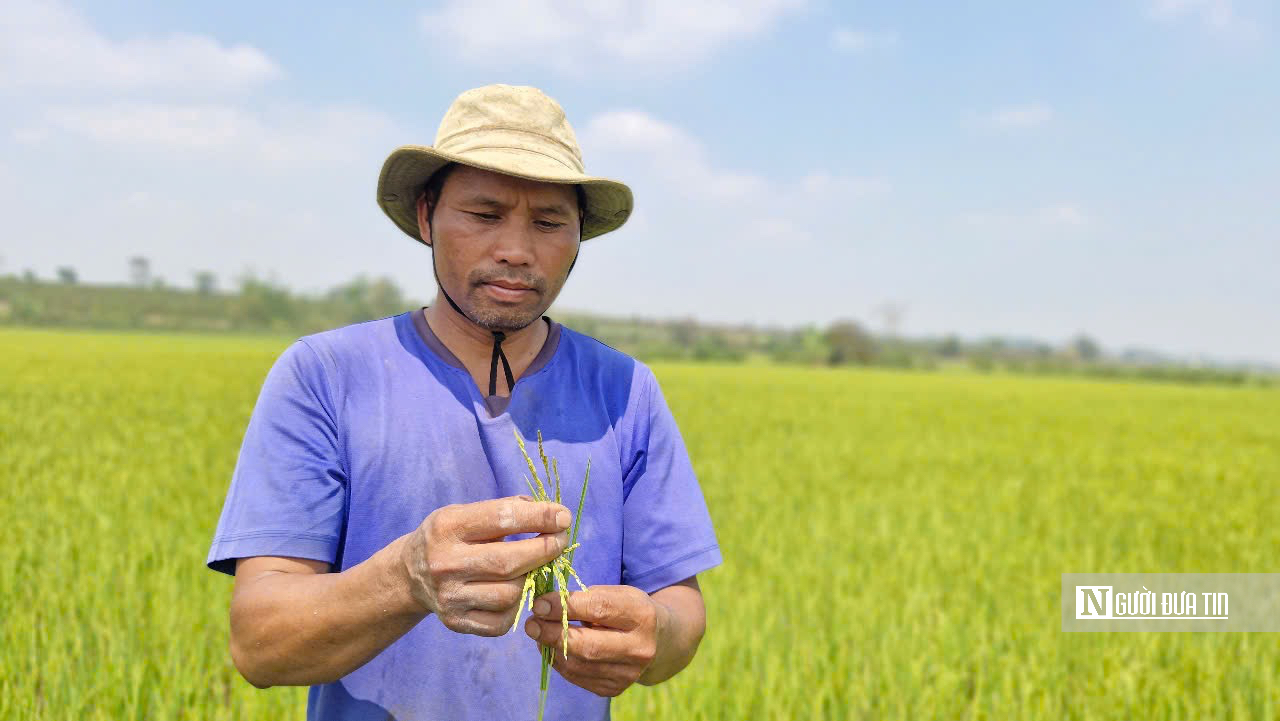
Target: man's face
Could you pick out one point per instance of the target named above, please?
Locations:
(503, 246)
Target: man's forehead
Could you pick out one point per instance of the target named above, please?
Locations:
(468, 182)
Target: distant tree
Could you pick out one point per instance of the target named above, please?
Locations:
(713, 345)
(67, 275)
(950, 347)
(140, 271)
(385, 298)
(994, 345)
(206, 282)
(813, 347)
(364, 299)
(983, 359)
(1085, 348)
(28, 275)
(263, 304)
(895, 353)
(684, 333)
(847, 342)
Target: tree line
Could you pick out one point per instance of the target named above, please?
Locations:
(262, 305)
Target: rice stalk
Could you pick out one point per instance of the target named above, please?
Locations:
(555, 574)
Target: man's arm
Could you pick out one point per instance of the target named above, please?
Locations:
(682, 622)
(294, 624)
(628, 636)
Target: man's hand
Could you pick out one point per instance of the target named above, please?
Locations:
(459, 568)
(617, 642)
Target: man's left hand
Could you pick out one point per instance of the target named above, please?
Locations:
(619, 637)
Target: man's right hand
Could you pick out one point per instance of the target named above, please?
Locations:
(460, 569)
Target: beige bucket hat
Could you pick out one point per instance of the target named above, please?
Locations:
(517, 131)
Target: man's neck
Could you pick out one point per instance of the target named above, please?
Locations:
(473, 345)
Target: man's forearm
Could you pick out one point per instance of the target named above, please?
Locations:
(303, 628)
(682, 621)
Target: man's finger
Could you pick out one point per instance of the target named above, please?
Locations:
(601, 679)
(507, 560)
(491, 595)
(597, 645)
(480, 623)
(587, 673)
(619, 607)
(502, 517)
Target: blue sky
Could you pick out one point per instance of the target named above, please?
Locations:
(1021, 169)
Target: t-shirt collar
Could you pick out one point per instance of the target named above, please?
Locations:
(433, 342)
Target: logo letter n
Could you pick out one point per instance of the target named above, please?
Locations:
(1092, 602)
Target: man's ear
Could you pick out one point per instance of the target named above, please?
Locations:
(424, 222)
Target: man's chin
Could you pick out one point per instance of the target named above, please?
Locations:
(505, 317)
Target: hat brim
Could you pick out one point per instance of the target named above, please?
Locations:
(407, 169)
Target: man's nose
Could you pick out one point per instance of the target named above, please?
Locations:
(514, 242)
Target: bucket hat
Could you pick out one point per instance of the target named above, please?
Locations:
(514, 130)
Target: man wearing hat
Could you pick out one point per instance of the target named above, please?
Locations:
(375, 522)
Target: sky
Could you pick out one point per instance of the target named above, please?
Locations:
(1033, 170)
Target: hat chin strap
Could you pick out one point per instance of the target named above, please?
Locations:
(498, 336)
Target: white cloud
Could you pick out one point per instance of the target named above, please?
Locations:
(1214, 13)
(727, 241)
(822, 183)
(30, 135)
(856, 41)
(671, 169)
(679, 160)
(1067, 215)
(671, 153)
(1020, 116)
(47, 45)
(277, 137)
(572, 35)
(171, 92)
(1218, 16)
(159, 125)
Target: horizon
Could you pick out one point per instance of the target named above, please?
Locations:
(1123, 354)
(1015, 172)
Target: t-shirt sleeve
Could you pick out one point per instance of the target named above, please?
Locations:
(289, 489)
(667, 531)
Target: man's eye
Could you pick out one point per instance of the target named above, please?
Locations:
(549, 225)
(486, 216)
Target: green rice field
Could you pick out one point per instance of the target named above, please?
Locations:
(893, 541)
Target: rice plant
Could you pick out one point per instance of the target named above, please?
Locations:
(555, 574)
(936, 511)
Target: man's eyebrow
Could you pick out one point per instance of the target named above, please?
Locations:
(483, 200)
(552, 208)
(555, 208)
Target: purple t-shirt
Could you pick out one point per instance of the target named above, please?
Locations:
(360, 432)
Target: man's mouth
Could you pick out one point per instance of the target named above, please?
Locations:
(509, 284)
(507, 290)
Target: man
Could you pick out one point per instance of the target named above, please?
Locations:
(375, 523)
